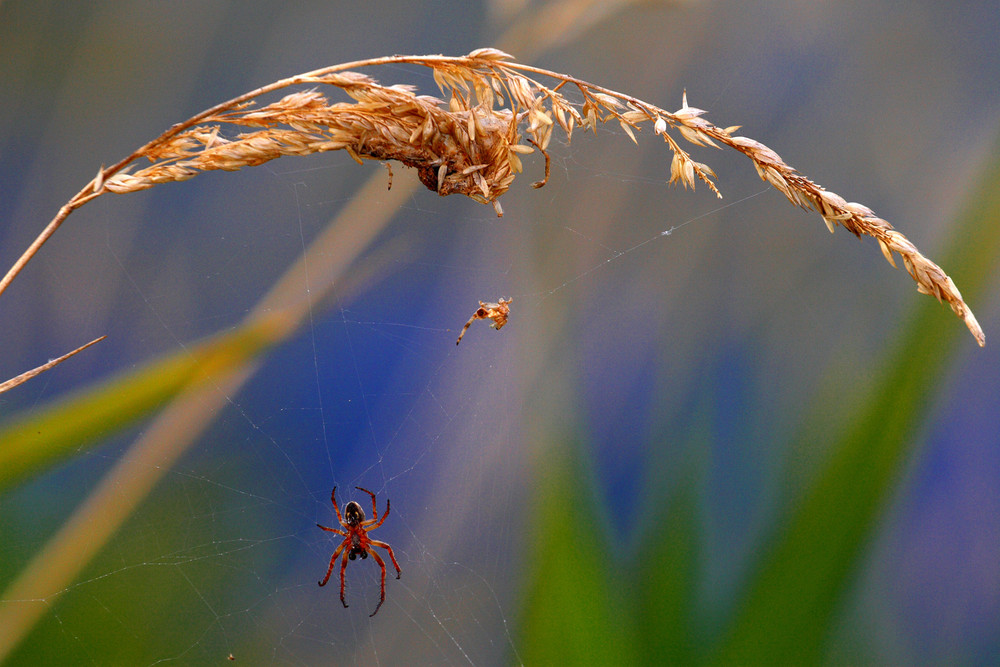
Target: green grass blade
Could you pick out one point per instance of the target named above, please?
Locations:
(790, 605)
(569, 615)
(668, 563)
(667, 576)
(52, 434)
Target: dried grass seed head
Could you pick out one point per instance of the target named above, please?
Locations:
(472, 144)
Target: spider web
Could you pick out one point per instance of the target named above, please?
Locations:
(372, 393)
(615, 278)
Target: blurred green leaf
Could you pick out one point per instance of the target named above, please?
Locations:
(52, 434)
(570, 616)
(788, 611)
(667, 577)
(124, 627)
(668, 561)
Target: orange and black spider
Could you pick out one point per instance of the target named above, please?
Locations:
(357, 542)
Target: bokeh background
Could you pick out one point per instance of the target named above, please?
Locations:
(745, 439)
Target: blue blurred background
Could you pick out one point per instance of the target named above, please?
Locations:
(748, 322)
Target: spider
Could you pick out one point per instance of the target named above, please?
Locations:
(357, 542)
(498, 312)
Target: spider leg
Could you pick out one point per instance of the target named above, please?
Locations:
(343, 566)
(466, 327)
(380, 521)
(374, 506)
(545, 180)
(332, 530)
(333, 499)
(391, 555)
(381, 599)
(333, 559)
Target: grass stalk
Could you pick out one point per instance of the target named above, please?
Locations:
(469, 144)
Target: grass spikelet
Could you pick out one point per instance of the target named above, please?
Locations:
(469, 145)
